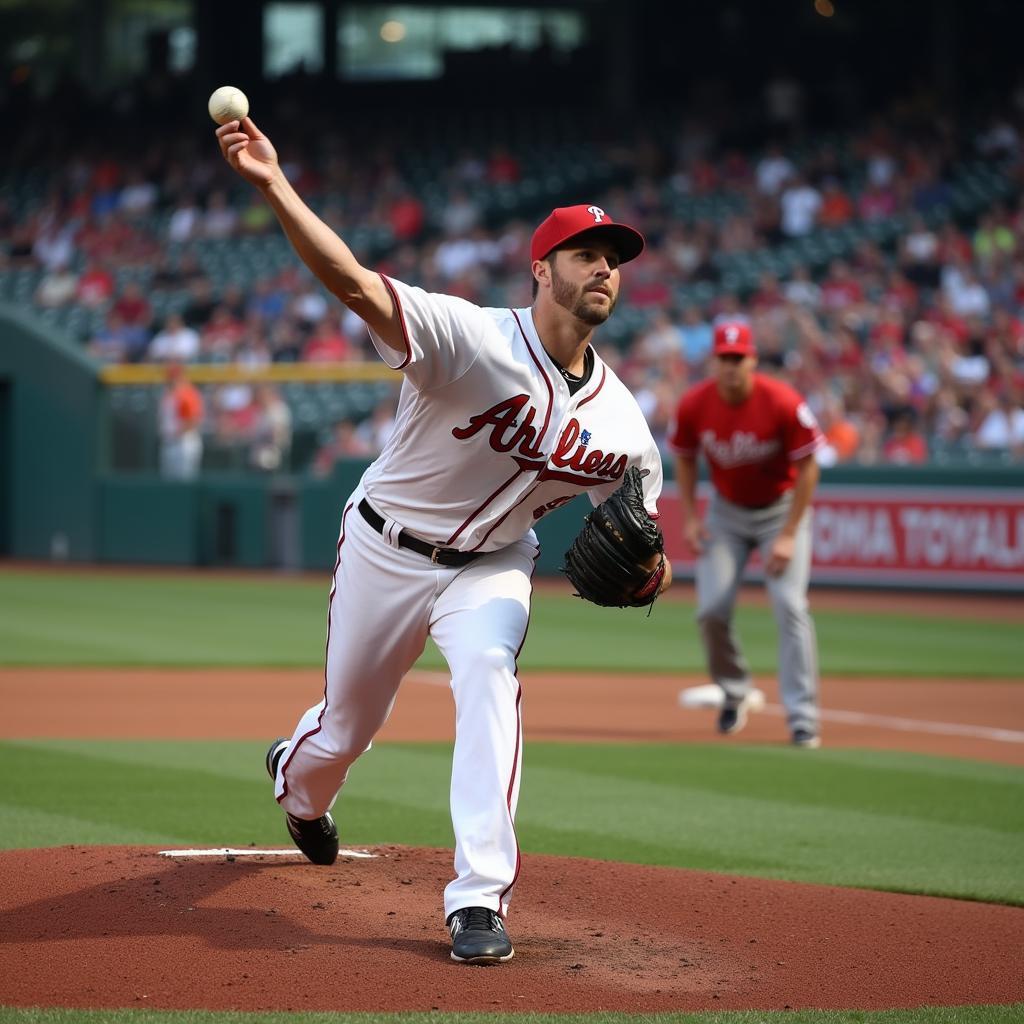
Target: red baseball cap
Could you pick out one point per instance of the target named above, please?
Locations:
(565, 222)
(733, 338)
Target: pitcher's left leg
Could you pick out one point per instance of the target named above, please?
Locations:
(798, 645)
(479, 624)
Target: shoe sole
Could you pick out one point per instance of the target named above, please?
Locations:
(483, 960)
(812, 744)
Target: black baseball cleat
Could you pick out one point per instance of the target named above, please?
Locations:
(316, 838)
(479, 936)
(733, 715)
(806, 739)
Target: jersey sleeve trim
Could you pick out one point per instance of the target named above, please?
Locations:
(405, 330)
(804, 450)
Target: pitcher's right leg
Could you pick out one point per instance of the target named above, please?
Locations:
(377, 625)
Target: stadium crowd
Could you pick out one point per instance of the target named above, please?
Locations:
(908, 347)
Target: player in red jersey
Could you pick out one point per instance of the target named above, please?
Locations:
(759, 439)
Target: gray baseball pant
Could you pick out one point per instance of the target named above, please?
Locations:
(734, 533)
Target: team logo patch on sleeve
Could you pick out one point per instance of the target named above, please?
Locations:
(805, 416)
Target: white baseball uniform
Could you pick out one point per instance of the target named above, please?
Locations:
(488, 439)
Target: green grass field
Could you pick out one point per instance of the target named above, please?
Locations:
(891, 821)
(177, 619)
(898, 822)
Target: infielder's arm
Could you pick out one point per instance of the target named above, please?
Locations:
(251, 154)
(807, 473)
(686, 482)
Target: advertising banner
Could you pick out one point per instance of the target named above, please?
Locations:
(903, 536)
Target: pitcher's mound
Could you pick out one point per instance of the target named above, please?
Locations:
(126, 927)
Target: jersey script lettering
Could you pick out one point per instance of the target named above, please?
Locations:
(509, 432)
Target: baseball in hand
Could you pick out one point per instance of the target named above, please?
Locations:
(228, 104)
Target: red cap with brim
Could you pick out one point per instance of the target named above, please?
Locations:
(566, 222)
(734, 339)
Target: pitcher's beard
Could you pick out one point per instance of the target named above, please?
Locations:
(574, 299)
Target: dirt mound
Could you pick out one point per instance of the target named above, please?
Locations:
(125, 927)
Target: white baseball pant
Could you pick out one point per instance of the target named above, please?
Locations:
(385, 601)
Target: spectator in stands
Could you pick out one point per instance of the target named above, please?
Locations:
(345, 443)
(801, 290)
(201, 303)
(877, 202)
(502, 167)
(286, 341)
(266, 299)
(132, 306)
(931, 192)
(800, 204)
(1001, 426)
(837, 207)
(53, 244)
(255, 218)
(327, 342)
(970, 367)
(905, 443)
(842, 438)
(271, 436)
(661, 341)
(696, 335)
(221, 335)
(117, 341)
(138, 195)
(180, 419)
(220, 218)
(919, 254)
(57, 287)
(949, 419)
(768, 295)
(378, 428)
(967, 295)
(171, 275)
(840, 289)
(460, 215)
(95, 286)
(175, 342)
(993, 238)
(185, 219)
(773, 170)
(406, 216)
(309, 305)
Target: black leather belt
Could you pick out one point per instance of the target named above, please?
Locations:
(439, 556)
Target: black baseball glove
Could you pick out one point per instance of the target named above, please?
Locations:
(609, 561)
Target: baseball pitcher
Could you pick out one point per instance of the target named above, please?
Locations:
(504, 415)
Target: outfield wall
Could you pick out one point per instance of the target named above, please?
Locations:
(887, 526)
(51, 425)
